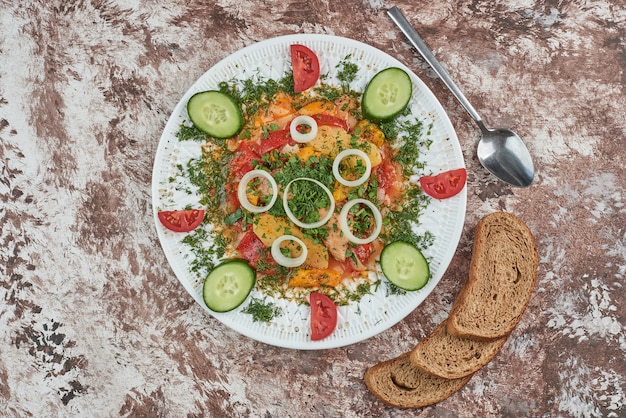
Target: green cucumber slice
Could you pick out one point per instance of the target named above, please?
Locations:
(215, 113)
(228, 285)
(387, 94)
(404, 265)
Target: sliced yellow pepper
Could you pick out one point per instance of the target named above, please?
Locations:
(307, 152)
(341, 192)
(315, 278)
(317, 107)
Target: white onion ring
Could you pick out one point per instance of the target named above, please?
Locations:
(299, 136)
(346, 153)
(297, 221)
(243, 185)
(343, 221)
(285, 261)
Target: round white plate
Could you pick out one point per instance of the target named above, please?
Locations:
(444, 219)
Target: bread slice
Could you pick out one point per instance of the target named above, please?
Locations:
(444, 355)
(398, 383)
(502, 276)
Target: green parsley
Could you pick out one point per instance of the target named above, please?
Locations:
(307, 201)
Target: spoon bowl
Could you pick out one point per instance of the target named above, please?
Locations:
(501, 151)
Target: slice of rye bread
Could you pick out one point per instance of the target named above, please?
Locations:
(398, 383)
(502, 276)
(450, 357)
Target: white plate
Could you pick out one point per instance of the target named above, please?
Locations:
(374, 313)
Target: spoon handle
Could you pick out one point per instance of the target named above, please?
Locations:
(400, 20)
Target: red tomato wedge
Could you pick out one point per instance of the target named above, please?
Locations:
(242, 161)
(444, 185)
(306, 67)
(251, 248)
(231, 200)
(389, 176)
(323, 316)
(181, 220)
(329, 120)
(275, 140)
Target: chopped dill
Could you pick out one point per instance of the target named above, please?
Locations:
(390, 129)
(208, 174)
(362, 290)
(253, 94)
(191, 133)
(392, 289)
(262, 310)
(199, 242)
(347, 72)
(413, 142)
(328, 92)
(399, 225)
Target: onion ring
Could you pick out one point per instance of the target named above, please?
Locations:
(243, 185)
(285, 261)
(343, 221)
(297, 221)
(346, 153)
(299, 136)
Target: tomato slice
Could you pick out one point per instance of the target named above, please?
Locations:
(363, 252)
(323, 316)
(241, 163)
(444, 185)
(330, 120)
(389, 178)
(251, 248)
(181, 220)
(231, 200)
(275, 140)
(306, 67)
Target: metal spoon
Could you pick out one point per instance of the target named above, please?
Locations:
(501, 151)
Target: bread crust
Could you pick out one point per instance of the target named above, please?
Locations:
(398, 383)
(450, 357)
(502, 276)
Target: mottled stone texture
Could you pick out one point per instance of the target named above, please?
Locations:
(92, 320)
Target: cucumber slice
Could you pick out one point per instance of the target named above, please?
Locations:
(228, 285)
(387, 94)
(404, 265)
(215, 113)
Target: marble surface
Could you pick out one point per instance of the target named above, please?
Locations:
(93, 321)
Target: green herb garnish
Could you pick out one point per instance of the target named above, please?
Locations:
(347, 72)
(261, 310)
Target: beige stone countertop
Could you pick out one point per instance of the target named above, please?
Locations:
(93, 321)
